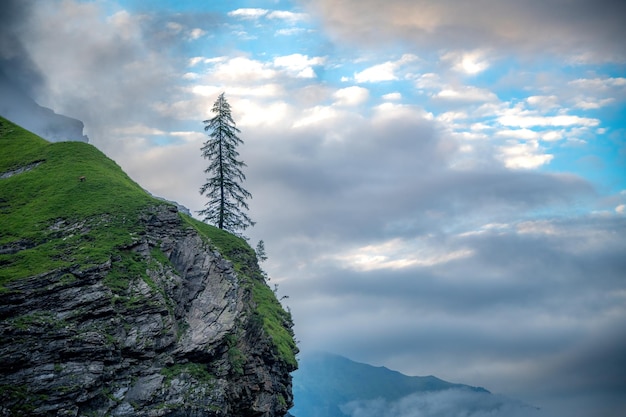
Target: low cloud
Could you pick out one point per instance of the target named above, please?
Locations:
(17, 67)
(386, 71)
(448, 403)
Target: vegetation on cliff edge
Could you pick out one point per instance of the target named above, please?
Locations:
(276, 321)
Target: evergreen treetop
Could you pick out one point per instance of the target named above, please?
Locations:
(226, 196)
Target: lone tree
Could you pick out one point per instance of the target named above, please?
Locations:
(224, 175)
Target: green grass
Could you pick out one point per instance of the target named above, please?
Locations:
(275, 322)
(39, 319)
(127, 266)
(197, 371)
(232, 247)
(92, 216)
(19, 398)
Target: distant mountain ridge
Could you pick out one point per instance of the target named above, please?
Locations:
(325, 382)
(21, 109)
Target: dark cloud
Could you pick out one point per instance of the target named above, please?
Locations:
(16, 66)
(523, 292)
(103, 72)
(532, 294)
(106, 70)
(578, 27)
(21, 79)
(399, 180)
(595, 365)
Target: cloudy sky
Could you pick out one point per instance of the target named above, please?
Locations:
(440, 185)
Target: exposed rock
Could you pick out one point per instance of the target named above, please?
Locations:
(20, 170)
(183, 339)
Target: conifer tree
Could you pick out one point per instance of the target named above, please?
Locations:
(260, 251)
(224, 173)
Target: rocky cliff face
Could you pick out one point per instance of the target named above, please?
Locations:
(163, 325)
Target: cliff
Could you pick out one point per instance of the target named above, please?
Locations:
(114, 303)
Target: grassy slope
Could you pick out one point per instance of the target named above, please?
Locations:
(32, 202)
(107, 203)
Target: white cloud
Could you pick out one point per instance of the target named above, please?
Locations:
(525, 155)
(248, 13)
(525, 118)
(377, 73)
(466, 94)
(398, 254)
(429, 81)
(256, 13)
(444, 403)
(599, 84)
(196, 33)
(480, 126)
(392, 96)
(552, 135)
(383, 72)
(289, 31)
(385, 112)
(253, 113)
(286, 15)
(253, 105)
(192, 62)
(589, 103)
(315, 115)
(193, 137)
(195, 61)
(543, 102)
(137, 130)
(263, 90)
(174, 27)
(244, 35)
(537, 227)
(525, 134)
(452, 116)
(299, 65)
(470, 63)
(205, 90)
(124, 24)
(351, 96)
(242, 69)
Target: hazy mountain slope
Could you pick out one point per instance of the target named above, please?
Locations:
(324, 382)
(21, 109)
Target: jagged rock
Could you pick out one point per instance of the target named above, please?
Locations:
(186, 339)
